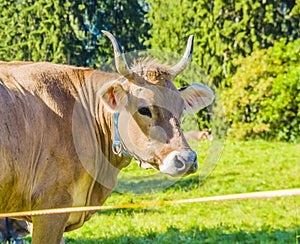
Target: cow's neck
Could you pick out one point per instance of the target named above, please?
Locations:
(103, 165)
(93, 137)
(109, 125)
(110, 165)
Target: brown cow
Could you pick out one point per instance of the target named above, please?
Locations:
(65, 132)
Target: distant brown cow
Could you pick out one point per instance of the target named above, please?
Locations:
(66, 132)
(198, 135)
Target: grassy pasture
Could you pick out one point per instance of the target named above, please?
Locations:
(243, 167)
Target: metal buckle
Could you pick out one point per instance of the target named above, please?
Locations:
(116, 147)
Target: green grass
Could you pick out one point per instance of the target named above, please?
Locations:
(243, 167)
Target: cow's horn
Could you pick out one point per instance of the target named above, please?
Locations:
(181, 65)
(121, 64)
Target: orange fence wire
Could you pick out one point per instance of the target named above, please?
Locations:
(241, 196)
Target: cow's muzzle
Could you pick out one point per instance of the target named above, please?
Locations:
(179, 163)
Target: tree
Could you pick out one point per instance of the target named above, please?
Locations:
(223, 29)
(124, 18)
(69, 31)
(36, 30)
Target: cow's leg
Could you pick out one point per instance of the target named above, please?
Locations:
(48, 229)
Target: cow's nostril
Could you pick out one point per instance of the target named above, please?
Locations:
(179, 163)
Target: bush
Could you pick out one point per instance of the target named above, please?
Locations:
(263, 98)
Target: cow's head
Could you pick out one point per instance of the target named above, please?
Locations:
(147, 109)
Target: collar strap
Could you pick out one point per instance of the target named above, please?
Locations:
(117, 146)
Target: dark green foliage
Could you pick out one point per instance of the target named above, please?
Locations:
(124, 18)
(36, 30)
(264, 97)
(226, 30)
(223, 29)
(69, 31)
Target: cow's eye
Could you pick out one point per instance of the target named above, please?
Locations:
(145, 111)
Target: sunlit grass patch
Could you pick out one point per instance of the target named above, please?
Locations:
(243, 167)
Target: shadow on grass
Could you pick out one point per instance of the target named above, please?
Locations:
(160, 183)
(221, 234)
(155, 184)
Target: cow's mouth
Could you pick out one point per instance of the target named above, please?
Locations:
(175, 163)
(179, 163)
(145, 165)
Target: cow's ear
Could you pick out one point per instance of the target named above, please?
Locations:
(196, 97)
(113, 97)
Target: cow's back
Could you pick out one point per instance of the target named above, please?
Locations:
(36, 101)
